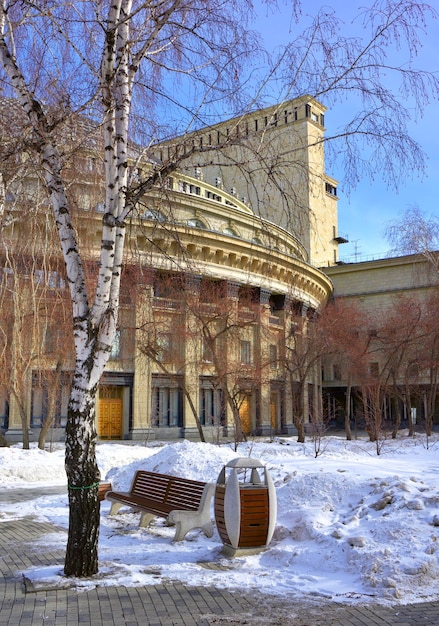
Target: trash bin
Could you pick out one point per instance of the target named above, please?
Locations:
(245, 506)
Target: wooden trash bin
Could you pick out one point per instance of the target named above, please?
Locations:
(245, 506)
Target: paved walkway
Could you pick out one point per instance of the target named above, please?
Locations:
(171, 604)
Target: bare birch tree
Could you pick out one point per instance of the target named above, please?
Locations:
(415, 232)
(118, 50)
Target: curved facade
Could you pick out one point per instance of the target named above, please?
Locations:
(195, 228)
(212, 295)
(245, 282)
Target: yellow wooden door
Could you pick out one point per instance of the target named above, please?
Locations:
(245, 415)
(273, 410)
(110, 410)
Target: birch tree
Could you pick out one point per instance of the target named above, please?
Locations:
(415, 232)
(97, 58)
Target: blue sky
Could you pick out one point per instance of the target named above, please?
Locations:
(370, 207)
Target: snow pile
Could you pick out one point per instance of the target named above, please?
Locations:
(351, 526)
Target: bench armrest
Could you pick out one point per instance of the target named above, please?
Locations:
(189, 520)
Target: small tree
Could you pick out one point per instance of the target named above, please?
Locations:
(55, 356)
(345, 326)
(399, 334)
(305, 346)
(161, 337)
(225, 319)
(20, 336)
(427, 360)
(414, 232)
(29, 293)
(394, 333)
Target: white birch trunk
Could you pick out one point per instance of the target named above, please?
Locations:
(94, 327)
(94, 324)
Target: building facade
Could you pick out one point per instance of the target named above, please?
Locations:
(223, 265)
(211, 293)
(273, 160)
(398, 298)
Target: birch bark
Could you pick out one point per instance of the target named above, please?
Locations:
(94, 324)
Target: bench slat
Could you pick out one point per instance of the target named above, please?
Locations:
(141, 504)
(184, 496)
(148, 485)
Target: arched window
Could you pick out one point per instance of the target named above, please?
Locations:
(195, 222)
(230, 231)
(153, 214)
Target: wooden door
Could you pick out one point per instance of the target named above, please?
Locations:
(273, 411)
(245, 415)
(110, 411)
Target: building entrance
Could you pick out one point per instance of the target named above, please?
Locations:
(245, 415)
(110, 411)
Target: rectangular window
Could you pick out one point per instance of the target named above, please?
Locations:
(374, 369)
(53, 338)
(246, 357)
(211, 407)
(207, 352)
(163, 347)
(50, 388)
(39, 277)
(116, 347)
(331, 190)
(273, 357)
(49, 341)
(167, 407)
(336, 371)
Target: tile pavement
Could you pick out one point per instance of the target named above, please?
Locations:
(167, 604)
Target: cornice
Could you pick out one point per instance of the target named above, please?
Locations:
(227, 258)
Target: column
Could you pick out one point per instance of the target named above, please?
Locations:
(141, 408)
(192, 355)
(262, 337)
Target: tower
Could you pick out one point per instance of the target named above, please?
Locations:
(273, 160)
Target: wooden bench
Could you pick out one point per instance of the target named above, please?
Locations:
(183, 502)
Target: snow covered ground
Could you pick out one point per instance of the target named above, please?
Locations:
(351, 526)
